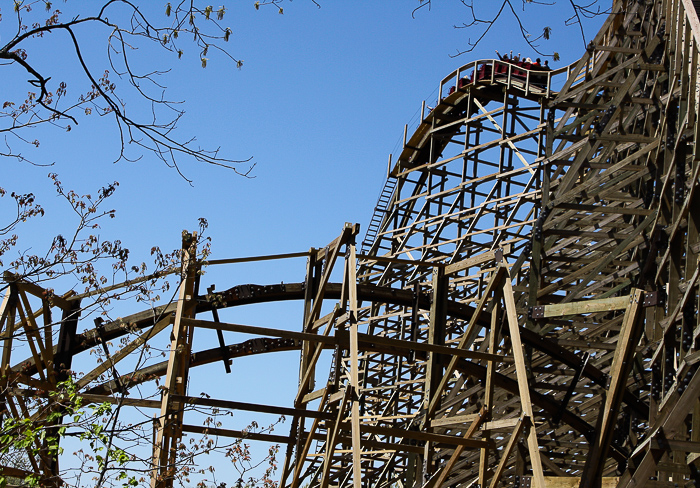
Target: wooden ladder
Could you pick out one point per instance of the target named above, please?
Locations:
(380, 211)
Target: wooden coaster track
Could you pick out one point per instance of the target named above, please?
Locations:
(524, 311)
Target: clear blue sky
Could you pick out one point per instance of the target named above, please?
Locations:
(319, 104)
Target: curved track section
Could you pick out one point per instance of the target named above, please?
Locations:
(524, 310)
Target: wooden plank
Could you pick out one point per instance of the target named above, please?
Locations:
(7, 319)
(371, 342)
(471, 262)
(621, 366)
(124, 352)
(251, 407)
(263, 331)
(331, 439)
(514, 438)
(119, 400)
(587, 306)
(250, 259)
(627, 138)
(574, 481)
(310, 364)
(353, 306)
(449, 440)
(303, 447)
(501, 424)
(604, 209)
(523, 388)
(618, 49)
(314, 395)
(33, 334)
(237, 434)
(489, 407)
(675, 445)
(454, 420)
(30, 339)
(169, 424)
(434, 362)
(469, 334)
(364, 258)
(36, 290)
(473, 428)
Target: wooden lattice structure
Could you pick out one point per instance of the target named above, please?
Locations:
(524, 310)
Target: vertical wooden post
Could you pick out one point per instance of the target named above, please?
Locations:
(621, 366)
(353, 308)
(63, 359)
(169, 423)
(7, 318)
(434, 368)
(488, 396)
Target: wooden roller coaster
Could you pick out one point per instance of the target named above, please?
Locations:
(523, 311)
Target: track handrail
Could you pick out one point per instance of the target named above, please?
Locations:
(509, 72)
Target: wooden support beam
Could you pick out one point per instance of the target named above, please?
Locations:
(469, 335)
(170, 420)
(331, 439)
(124, 351)
(237, 434)
(581, 307)
(621, 366)
(353, 309)
(489, 404)
(670, 420)
(523, 387)
(36, 290)
(447, 468)
(505, 454)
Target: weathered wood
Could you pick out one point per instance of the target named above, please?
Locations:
(447, 468)
(512, 441)
(124, 352)
(237, 434)
(621, 366)
(523, 388)
(469, 334)
(353, 307)
(588, 306)
(170, 422)
(590, 192)
(574, 482)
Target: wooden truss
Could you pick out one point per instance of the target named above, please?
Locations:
(523, 309)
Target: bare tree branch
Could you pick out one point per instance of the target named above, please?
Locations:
(133, 26)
